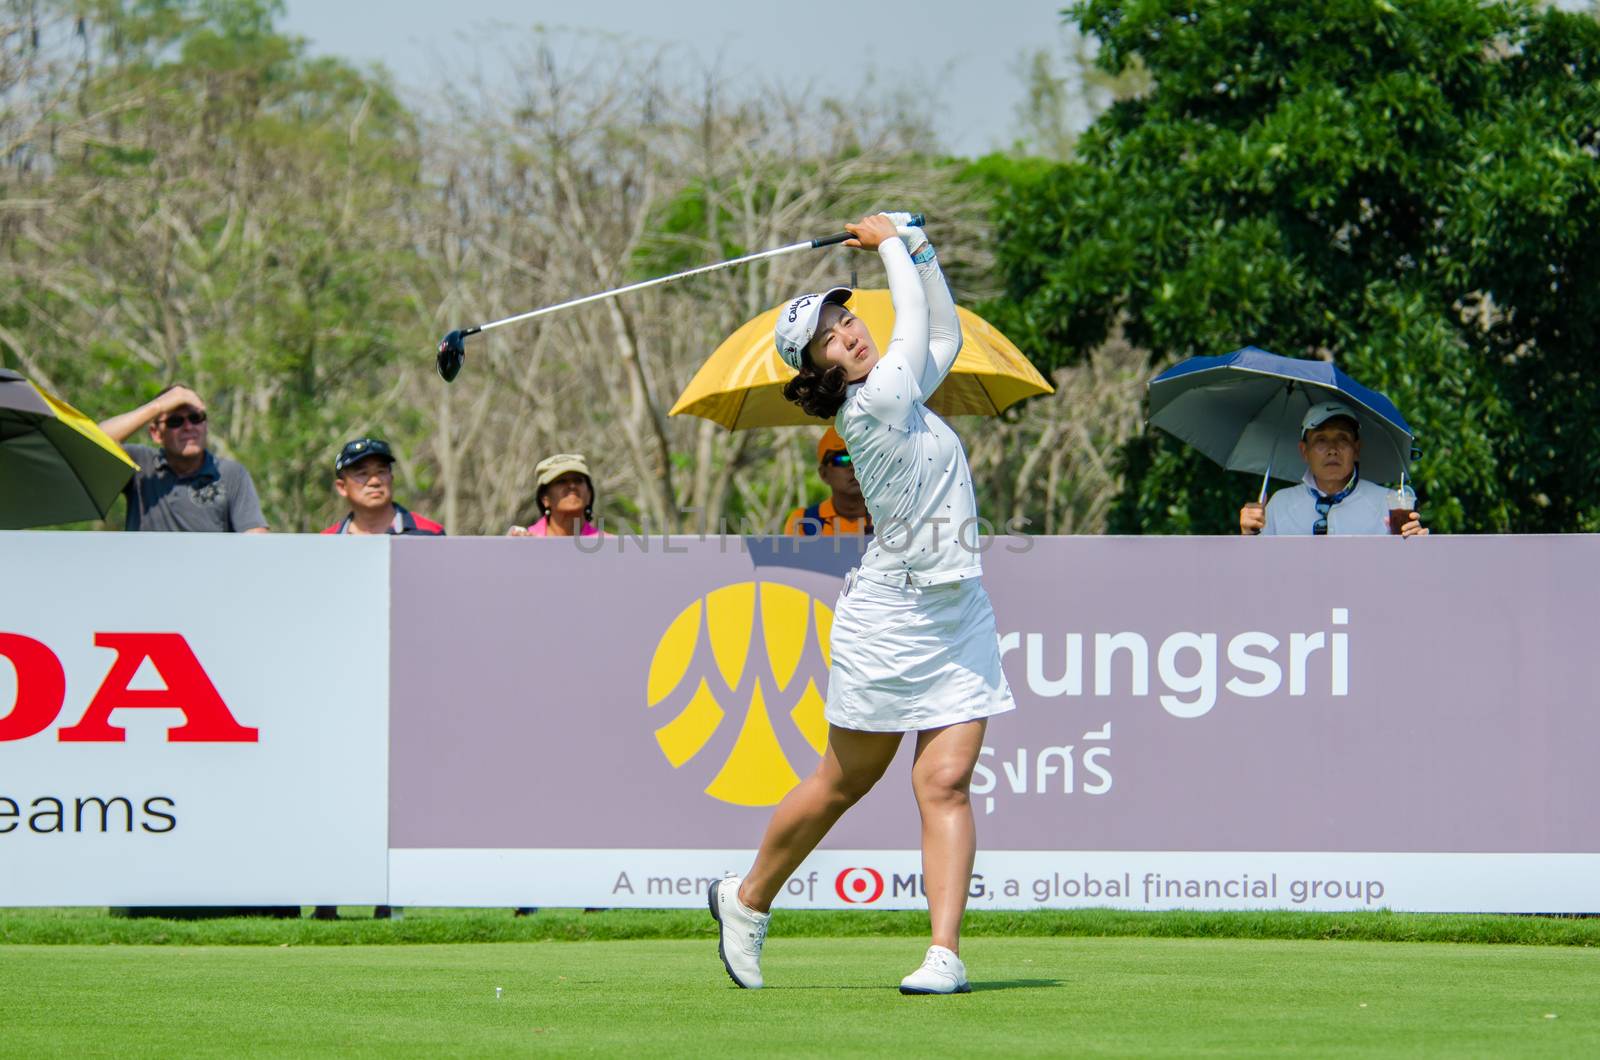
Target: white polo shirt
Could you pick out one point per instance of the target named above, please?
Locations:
(911, 465)
(1293, 510)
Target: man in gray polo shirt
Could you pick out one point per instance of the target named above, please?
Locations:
(180, 485)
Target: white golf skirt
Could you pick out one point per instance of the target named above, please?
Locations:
(909, 658)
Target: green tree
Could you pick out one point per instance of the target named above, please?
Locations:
(1411, 189)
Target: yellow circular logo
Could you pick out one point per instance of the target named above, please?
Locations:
(709, 661)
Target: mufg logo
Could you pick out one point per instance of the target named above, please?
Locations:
(750, 656)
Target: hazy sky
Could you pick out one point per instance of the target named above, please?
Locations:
(970, 50)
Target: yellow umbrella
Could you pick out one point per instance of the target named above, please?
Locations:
(56, 465)
(741, 384)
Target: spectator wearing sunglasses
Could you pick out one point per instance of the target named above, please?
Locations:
(180, 484)
(845, 510)
(1333, 498)
(363, 474)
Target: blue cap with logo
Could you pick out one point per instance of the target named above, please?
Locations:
(360, 449)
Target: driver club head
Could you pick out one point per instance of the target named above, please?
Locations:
(452, 353)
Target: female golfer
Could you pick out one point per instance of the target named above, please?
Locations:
(914, 646)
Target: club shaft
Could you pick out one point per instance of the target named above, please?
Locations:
(658, 281)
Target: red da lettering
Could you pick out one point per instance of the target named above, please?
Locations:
(41, 691)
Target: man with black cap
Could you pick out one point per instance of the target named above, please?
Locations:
(1333, 498)
(363, 474)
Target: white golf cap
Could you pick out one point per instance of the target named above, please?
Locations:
(797, 322)
(1317, 415)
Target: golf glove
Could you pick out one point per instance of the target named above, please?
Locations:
(916, 239)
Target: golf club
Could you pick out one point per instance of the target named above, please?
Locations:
(453, 349)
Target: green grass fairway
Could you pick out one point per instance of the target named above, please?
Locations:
(88, 926)
(1032, 996)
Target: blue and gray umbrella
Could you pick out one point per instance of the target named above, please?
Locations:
(1243, 410)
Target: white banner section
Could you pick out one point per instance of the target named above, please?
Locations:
(863, 879)
(193, 719)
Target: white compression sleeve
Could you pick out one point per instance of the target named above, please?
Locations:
(909, 294)
(944, 327)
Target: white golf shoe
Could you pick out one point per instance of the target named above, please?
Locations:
(743, 932)
(941, 973)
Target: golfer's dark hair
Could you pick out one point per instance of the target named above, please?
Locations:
(819, 392)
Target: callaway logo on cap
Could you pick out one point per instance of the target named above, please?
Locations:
(797, 322)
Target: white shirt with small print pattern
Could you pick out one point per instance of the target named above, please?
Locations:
(911, 465)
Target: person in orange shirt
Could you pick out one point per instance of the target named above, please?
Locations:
(845, 512)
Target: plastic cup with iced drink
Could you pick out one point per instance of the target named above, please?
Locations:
(1402, 502)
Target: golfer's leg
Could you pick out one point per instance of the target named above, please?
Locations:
(941, 775)
(852, 763)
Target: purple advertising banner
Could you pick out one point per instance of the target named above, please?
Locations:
(1417, 696)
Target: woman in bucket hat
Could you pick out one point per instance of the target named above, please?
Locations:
(914, 646)
(565, 495)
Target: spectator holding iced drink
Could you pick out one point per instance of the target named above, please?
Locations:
(1333, 498)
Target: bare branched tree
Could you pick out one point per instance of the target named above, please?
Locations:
(591, 174)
